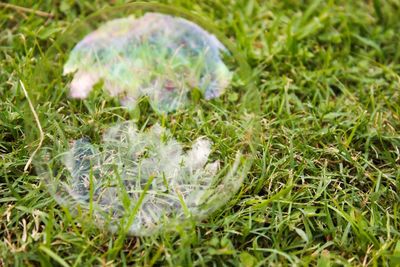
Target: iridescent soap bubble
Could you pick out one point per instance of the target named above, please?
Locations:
(159, 56)
(143, 173)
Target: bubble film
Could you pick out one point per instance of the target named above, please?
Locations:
(111, 177)
(159, 56)
(118, 169)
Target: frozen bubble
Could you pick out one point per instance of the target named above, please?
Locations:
(157, 55)
(112, 176)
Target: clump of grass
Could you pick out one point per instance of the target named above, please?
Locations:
(324, 188)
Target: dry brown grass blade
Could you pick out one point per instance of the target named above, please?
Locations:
(27, 10)
(38, 124)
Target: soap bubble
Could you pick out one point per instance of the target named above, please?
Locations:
(124, 165)
(158, 56)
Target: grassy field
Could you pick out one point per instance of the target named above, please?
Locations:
(324, 188)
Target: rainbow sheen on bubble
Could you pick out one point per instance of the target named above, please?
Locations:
(159, 56)
(122, 171)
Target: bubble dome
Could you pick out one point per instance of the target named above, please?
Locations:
(141, 140)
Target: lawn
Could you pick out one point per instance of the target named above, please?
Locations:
(323, 187)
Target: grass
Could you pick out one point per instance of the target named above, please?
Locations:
(324, 188)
